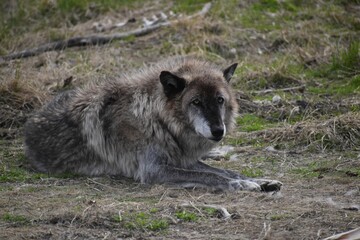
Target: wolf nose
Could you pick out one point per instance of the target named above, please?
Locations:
(218, 133)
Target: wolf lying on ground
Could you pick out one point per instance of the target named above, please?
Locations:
(153, 125)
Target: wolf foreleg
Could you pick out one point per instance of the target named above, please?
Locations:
(265, 184)
(201, 166)
(193, 178)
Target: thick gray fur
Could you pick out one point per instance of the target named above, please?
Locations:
(140, 127)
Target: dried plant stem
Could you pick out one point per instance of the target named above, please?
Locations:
(223, 211)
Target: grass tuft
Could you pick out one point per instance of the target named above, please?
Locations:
(142, 221)
(211, 211)
(339, 133)
(252, 172)
(186, 216)
(188, 6)
(11, 218)
(348, 61)
(251, 122)
(339, 89)
(344, 64)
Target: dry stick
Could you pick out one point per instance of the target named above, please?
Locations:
(350, 235)
(299, 88)
(222, 210)
(100, 184)
(266, 230)
(97, 39)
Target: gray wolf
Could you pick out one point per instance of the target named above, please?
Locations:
(153, 125)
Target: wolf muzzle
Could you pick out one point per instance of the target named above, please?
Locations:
(217, 132)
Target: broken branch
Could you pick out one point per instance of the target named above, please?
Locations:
(223, 211)
(350, 235)
(96, 39)
(298, 88)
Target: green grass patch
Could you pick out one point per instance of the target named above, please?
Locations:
(157, 225)
(329, 168)
(306, 172)
(212, 212)
(130, 39)
(351, 172)
(264, 159)
(142, 221)
(344, 64)
(188, 6)
(252, 172)
(274, 6)
(117, 218)
(12, 174)
(11, 169)
(268, 15)
(66, 175)
(348, 61)
(186, 216)
(256, 142)
(254, 19)
(277, 217)
(355, 108)
(6, 188)
(11, 218)
(341, 77)
(154, 210)
(341, 89)
(17, 174)
(73, 5)
(251, 122)
(55, 35)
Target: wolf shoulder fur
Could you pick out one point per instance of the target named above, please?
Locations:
(153, 125)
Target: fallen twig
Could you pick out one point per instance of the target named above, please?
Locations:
(173, 220)
(298, 88)
(350, 235)
(100, 184)
(82, 41)
(97, 39)
(225, 214)
(266, 231)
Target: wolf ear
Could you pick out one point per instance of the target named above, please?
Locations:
(172, 84)
(229, 72)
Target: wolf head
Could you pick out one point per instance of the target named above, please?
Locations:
(205, 96)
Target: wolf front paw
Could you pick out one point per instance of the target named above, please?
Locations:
(244, 185)
(268, 185)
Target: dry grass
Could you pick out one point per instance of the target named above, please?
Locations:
(278, 44)
(340, 133)
(18, 99)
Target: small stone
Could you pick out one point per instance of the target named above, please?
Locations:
(276, 99)
(233, 51)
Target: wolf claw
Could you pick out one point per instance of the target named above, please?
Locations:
(269, 185)
(244, 185)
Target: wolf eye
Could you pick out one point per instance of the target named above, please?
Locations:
(196, 102)
(220, 100)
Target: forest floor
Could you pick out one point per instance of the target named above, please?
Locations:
(298, 86)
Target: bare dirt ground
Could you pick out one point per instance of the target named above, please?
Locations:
(298, 87)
